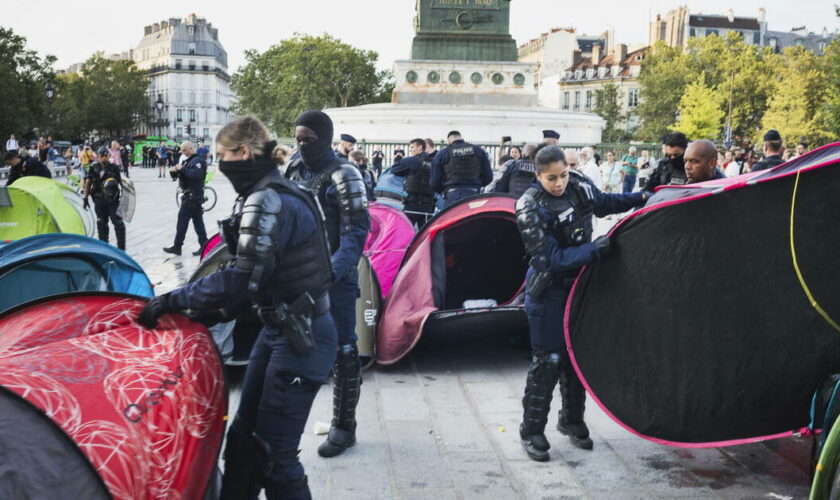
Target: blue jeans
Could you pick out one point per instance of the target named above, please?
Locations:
(629, 183)
(454, 195)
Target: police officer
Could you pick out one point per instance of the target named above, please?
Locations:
(519, 174)
(671, 168)
(24, 166)
(358, 159)
(282, 269)
(460, 170)
(346, 146)
(416, 169)
(551, 137)
(773, 148)
(341, 191)
(103, 183)
(190, 176)
(555, 221)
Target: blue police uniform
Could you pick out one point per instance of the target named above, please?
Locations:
(460, 170)
(419, 200)
(105, 189)
(557, 233)
(28, 166)
(191, 178)
(517, 177)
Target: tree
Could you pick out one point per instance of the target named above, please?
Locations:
(798, 97)
(829, 114)
(608, 106)
(23, 77)
(661, 83)
(307, 72)
(701, 116)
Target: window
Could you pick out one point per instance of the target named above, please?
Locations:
(179, 131)
(711, 32)
(192, 115)
(588, 99)
(205, 67)
(756, 38)
(577, 100)
(692, 32)
(602, 72)
(633, 98)
(206, 133)
(191, 30)
(192, 64)
(590, 73)
(178, 63)
(635, 70)
(191, 48)
(565, 100)
(179, 115)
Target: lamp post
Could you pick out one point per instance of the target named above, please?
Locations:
(159, 107)
(50, 91)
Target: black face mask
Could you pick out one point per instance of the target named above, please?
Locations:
(315, 153)
(244, 174)
(678, 163)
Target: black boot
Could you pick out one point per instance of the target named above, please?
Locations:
(542, 377)
(102, 229)
(174, 249)
(239, 481)
(119, 230)
(570, 422)
(346, 386)
(293, 490)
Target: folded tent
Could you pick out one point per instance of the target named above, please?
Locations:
(715, 318)
(58, 263)
(37, 205)
(469, 251)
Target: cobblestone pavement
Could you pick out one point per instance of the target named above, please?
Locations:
(442, 424)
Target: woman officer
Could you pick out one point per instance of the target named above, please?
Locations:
(282, 269)
(555, 221)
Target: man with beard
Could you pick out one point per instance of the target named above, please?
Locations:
(346, 146)
(341, 191)
(671, 168)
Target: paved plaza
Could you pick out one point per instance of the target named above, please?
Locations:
(443, 423)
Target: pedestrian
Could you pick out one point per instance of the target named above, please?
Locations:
(86, 157)
(419, 199)
(629, 170)
(103, 184)
(551, 137)
(116, 156)
(341, 192)
(554, 217)
(460, 170)
(671, 168)
(801, 148)
(611, 172)
(190, 178)
(645, 165)
(346, 146)
(23, 167)
(377, 158)
(588, 167)
(163, 158)
(358, 159)
(518, 174)
(145, 153)
(12, 144)
(701, 162)
(282, 269)
(772, 149)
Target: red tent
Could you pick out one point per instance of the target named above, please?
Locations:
(470, 251)
(93, 405)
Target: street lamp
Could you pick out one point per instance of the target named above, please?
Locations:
(159, 107)
(50, 91)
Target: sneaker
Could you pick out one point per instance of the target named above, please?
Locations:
(174, 249)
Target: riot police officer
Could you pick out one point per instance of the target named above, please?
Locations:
(282, 269)
(190, 176)
(419, 199)
(346, 146)
(671, 168)
(555, 221)
(519, 174)
(772, 148)
(24, 166)
(341, 191)
(103, 183)
(460, 170)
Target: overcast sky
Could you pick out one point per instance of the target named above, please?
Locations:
(73, 31)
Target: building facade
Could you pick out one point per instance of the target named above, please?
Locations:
(678, 26)
(620, 67)
(188, 75)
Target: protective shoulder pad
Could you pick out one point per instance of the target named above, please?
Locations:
(257, 229)
(583, 184)
(352, 196)
(530, 225)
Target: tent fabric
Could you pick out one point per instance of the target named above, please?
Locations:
(389, 190)
(145, 407)
(390, 234)
(212, 243)
(702, 328)
(39, 206)
(52, 264)
(463, 253)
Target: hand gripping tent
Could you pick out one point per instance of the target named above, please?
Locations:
(93, 405)
(715, 318)
(55, 264)
(37, 205)
(468, 255)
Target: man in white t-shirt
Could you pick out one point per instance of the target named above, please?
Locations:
(588, 167)
(12, 143)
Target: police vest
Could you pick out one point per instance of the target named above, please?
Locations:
(463, 165)
(194, 186)
(105, 181)
(524, 173)
(570, 220)
(417, 184)
(672, 175)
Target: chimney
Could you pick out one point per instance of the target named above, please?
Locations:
(576, 57)
(730, 15)
(596, 54)
(620, 52)
(762, 14)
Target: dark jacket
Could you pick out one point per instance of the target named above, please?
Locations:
(28, 166)
(767, 163)
(439, 181)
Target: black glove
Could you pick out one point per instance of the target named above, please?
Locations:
(602, 245)
(209, 318)
(157, 307)
(86, 204)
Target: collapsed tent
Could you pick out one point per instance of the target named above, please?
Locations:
(212, 243)
(714, 319)
(466, 266)
(55, 264)
(390, 234)
(93, 405)
(37, 205)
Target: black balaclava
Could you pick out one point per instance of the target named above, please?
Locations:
(316, 153)
(244, 174)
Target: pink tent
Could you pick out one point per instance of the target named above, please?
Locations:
(390, 234)
(470, 251)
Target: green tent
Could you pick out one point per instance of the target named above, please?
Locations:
(36, 205)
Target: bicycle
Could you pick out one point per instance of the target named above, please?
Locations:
(210, 196)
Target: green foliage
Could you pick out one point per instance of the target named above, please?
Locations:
(608, 106)
(662, 80)
(799, 87)
(701, 116)
(307, 72)
(23, 77)
(830, 110)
